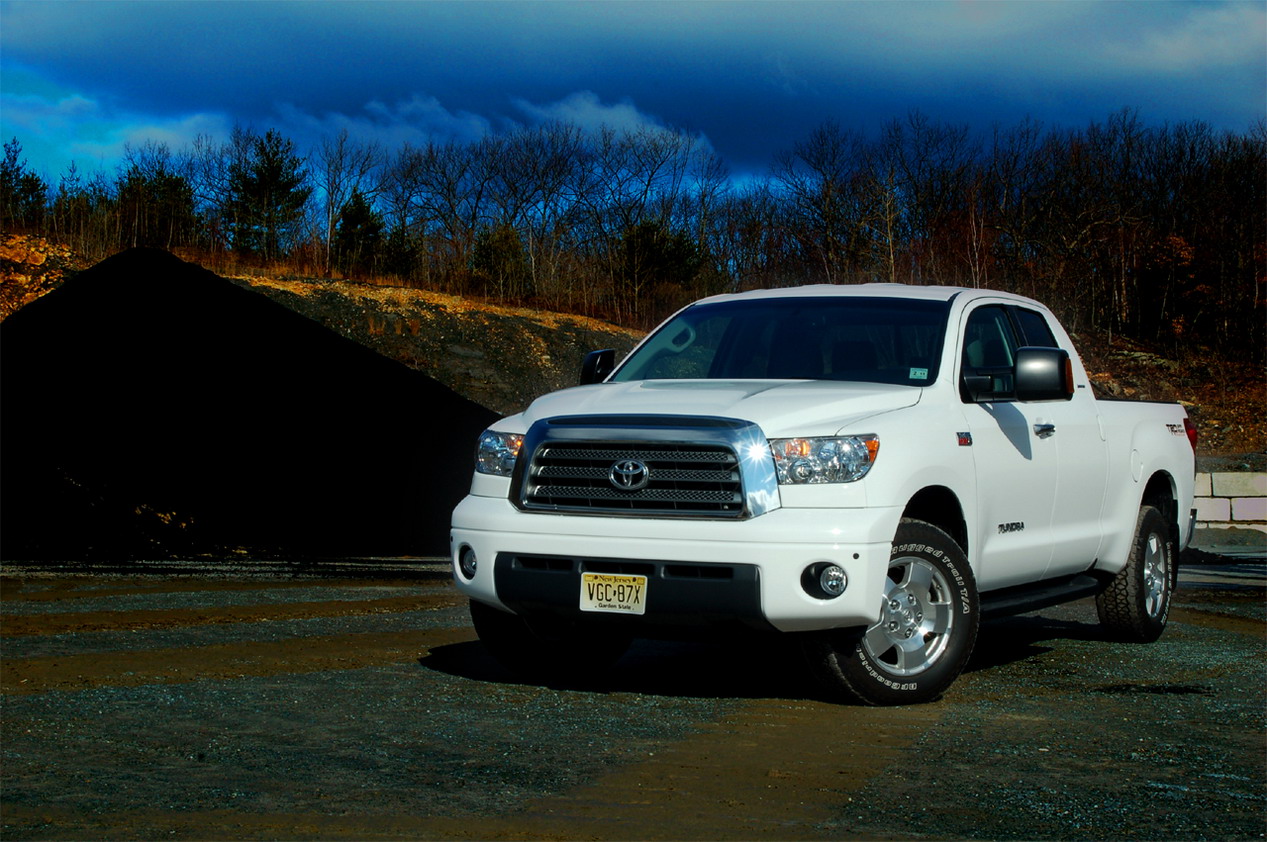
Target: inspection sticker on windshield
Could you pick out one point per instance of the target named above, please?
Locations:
(613, 592)
(919, 374)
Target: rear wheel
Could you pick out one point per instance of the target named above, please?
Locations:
(1136, 603)
(926, 631)
(542, 652)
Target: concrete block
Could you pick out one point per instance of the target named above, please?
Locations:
(1242, 484)
(1213, 508)
(1249, 508)
(1202, 488)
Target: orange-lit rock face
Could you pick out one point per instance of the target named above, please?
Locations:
(30, 267)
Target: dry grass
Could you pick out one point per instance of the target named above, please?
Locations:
(409, 301)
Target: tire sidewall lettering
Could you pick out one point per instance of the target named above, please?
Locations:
(881, 678)
(962, 589)
(961, 585)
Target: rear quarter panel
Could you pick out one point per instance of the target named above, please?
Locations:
(1145, 440)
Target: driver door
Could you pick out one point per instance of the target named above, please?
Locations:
(1016, 462)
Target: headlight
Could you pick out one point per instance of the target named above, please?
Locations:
(824, 459)
(497, 452)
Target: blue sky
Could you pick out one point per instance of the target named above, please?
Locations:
(79, 80)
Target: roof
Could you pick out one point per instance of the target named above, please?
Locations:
(910, 291)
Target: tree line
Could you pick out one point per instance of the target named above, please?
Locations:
(1154, 232)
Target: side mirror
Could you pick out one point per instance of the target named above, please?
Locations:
(1043, 374)
(597, 365)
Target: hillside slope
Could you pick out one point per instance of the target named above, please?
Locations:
(499, 357)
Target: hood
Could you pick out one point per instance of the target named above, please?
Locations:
(779, 407)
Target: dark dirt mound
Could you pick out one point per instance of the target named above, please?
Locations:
(154, 409)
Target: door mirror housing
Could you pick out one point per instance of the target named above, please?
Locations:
(1043, 374)
(597, 365)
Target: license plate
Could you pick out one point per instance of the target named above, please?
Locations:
(613, 592)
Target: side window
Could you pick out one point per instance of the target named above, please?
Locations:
(989, 348)
(988, 340)
(1035, 327)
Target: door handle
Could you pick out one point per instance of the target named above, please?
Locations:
(1044, 430)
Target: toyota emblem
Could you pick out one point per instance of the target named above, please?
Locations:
(629, 475)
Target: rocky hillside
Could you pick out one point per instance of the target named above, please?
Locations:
(31, 267)
(1224, 398)
(500, 357)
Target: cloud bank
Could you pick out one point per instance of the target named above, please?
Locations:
(82, 79)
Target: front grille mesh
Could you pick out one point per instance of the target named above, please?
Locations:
(683, 480)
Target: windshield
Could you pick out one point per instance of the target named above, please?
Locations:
(870, 340)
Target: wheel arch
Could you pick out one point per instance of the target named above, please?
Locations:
(1161, 491)
(939, 506)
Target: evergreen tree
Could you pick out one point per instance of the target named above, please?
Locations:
(499, 263)
(401, 253)
(155, 209)
(358, 236)
(23, 194)
(268, 191)
(655, 259)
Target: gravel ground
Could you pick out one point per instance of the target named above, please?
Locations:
(290, 707)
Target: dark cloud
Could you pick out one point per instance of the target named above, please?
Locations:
(751, 78)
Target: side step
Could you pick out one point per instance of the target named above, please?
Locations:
(1025, 598)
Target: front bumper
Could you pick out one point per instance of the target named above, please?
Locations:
(764, 559)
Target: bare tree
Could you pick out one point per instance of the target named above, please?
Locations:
(344, 167)
(818, 179)
(931, 162)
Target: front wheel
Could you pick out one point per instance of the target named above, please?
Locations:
(537, 653)
(1136, 603)
(926, 631)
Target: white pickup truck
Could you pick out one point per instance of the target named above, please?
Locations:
(870, 469)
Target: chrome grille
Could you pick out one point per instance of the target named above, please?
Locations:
(682, 479)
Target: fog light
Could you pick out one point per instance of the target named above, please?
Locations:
(467, 563)
(832, 580)
(824, 580)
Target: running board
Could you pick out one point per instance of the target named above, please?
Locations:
(1025, 598)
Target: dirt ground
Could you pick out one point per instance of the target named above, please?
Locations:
(355, 703)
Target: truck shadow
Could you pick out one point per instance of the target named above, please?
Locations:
(754, 668)
(1008, 640)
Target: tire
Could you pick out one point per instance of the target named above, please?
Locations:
(533, 653)
(927, 627)
(1135, 605)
